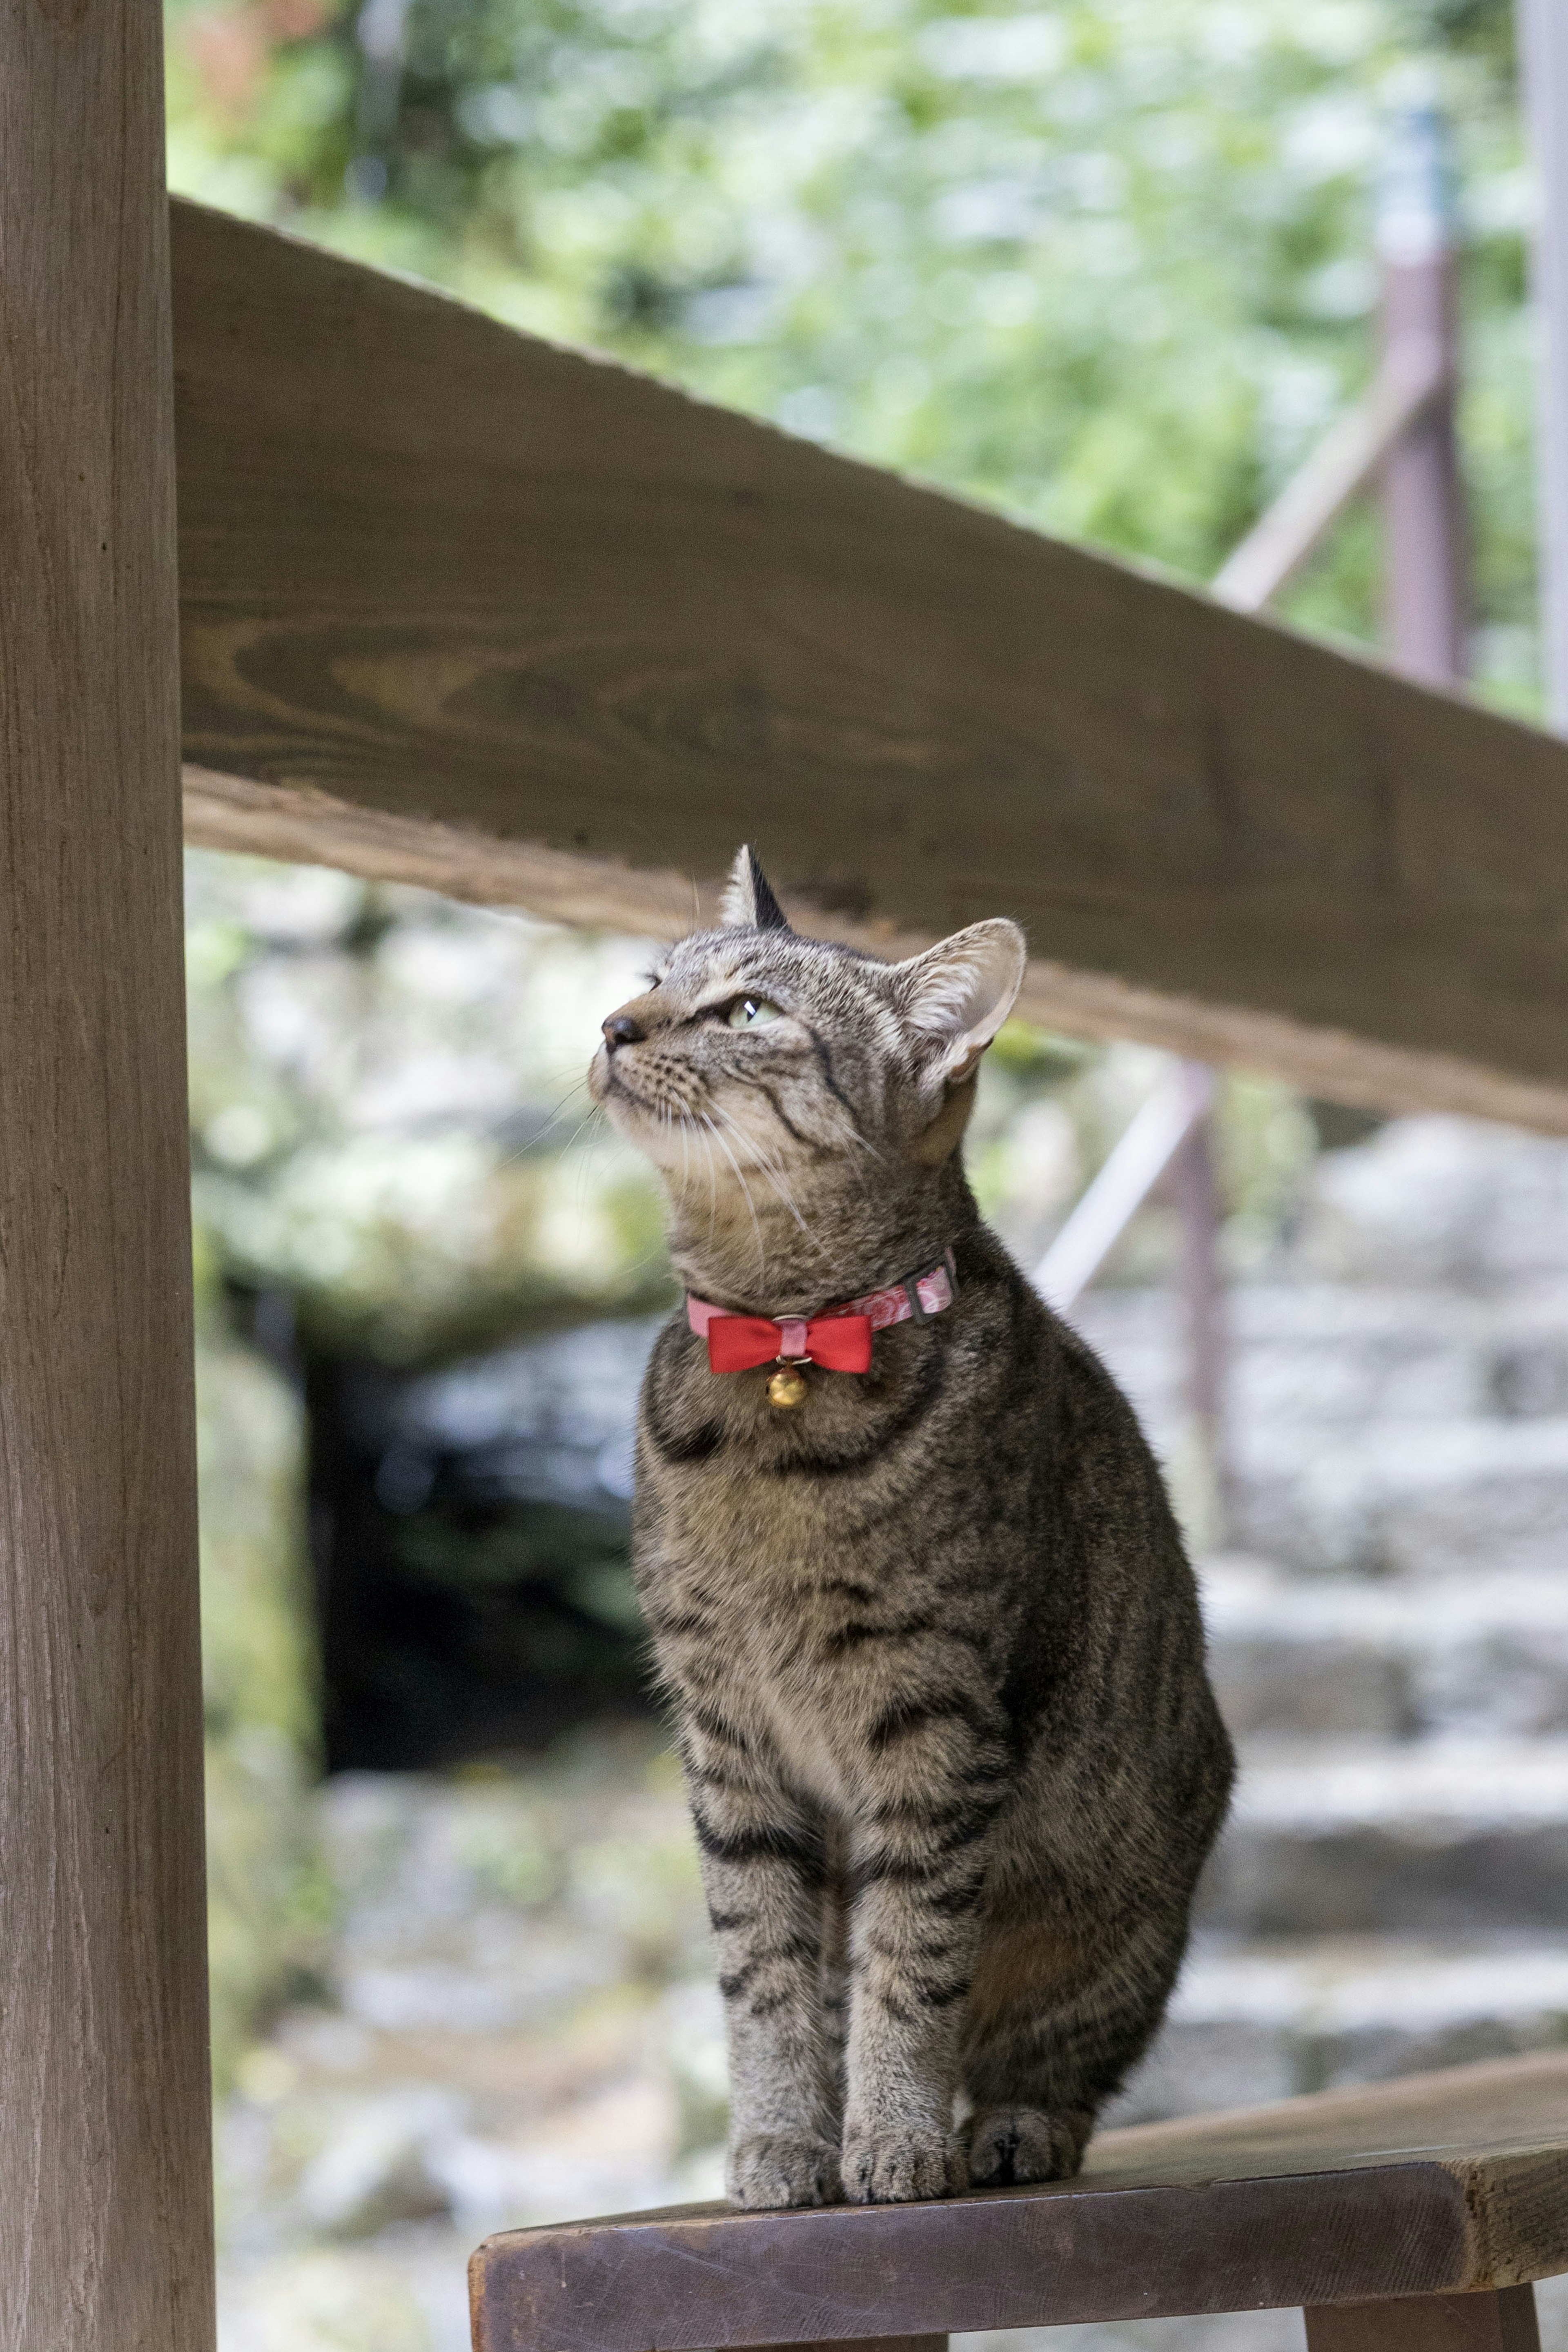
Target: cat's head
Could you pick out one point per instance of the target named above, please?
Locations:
(778, 1051)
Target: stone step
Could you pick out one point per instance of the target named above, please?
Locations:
(1254, 2022)
(1438, 1200)
(1446, 1498)
(1411, 1433)
(1332, 1356)
(1442, 1837)
(1477, 1655)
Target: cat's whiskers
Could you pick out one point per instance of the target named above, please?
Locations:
(689, 1127)
(685, 1120)
(852, 1135)
(774, 1170)
(594, 1110)
(746, 1189)
(757, 1148)
(578, 1161)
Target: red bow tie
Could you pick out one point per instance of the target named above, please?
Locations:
(841, 1343)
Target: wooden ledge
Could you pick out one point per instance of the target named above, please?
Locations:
(306, 826)
(1439, 2184)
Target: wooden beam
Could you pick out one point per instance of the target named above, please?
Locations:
(443, 572)
(105, 2162)
(306, 826)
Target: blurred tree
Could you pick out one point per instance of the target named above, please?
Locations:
(383, 1089)
(1105, 262)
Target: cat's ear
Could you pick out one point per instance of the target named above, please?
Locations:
(956, 996)
(748, 903)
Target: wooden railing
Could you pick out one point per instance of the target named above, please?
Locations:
(459, 603)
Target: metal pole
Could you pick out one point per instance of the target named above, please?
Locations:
(1193, 1187)
(1169, 1146)
(1424, 588)
(1352, 454)
(1543, 46)
(1144, 1155)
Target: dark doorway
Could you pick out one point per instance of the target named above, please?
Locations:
(471, 1535)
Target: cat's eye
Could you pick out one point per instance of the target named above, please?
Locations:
(752, 1012)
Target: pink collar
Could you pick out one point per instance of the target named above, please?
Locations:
(917, 1300)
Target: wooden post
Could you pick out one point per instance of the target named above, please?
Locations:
(105, 2167)
(1424, 591)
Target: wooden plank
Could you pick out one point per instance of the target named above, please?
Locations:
(309, 826)
(1442, 2184)
(437, 569)
(1503, 2321)
(1008, 2259)
(105, 2165)
(1447, 2114)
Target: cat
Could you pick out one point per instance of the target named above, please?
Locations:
(928, 1631)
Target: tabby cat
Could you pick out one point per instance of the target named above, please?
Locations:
(930, 1639)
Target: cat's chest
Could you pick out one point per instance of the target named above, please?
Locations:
(765, 1560)
(782, 1682)
(763, 1531)
(763, 1589)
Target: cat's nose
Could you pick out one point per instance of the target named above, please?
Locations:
(620, 1029)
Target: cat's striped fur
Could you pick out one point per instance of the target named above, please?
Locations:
(930, 1639)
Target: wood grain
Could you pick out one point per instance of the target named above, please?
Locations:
(891, 2344)
(105, 2171)
(1443, 2184)
(439, 569)
(234, 812)
(1503, 2321)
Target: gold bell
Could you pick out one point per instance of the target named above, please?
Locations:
(787, 1387)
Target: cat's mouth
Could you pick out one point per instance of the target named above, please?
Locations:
(609, 1086)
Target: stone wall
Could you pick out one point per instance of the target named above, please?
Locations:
(269, 1897)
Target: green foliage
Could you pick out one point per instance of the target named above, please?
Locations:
(1105, 262)
(382, 1086)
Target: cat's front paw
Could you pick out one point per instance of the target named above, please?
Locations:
(779, 2169)
(899, 2165)
(1008, 2146)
